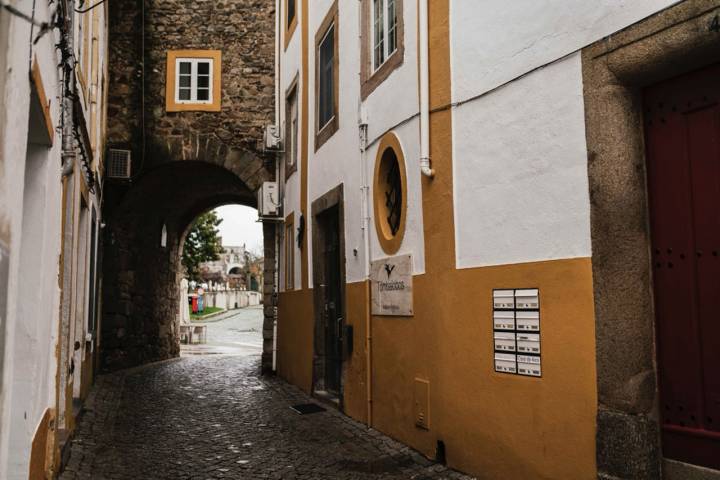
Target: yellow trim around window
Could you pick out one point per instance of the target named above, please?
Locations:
(170, 104)
(390, 243)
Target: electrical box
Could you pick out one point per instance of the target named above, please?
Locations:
(516, 331)
(268, 200)
(422, 403)
(272, 137)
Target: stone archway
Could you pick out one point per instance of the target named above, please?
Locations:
(183, 162)
(143, 239)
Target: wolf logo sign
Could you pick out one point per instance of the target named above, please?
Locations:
(391, 286)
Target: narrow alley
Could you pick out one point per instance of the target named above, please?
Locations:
(214, 416)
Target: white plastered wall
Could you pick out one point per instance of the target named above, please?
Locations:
(519, 153)
(33, 301)
(392, 106)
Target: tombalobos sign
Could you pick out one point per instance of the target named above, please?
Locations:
(391, 283)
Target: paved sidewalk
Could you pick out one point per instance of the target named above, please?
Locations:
(213, 417)
(235, 332)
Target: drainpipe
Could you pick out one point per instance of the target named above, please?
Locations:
(365, 226)
(424, 90)
(281, 186)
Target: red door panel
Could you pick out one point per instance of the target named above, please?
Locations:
(682, 125)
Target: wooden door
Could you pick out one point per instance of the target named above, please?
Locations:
(682, 125)
(333, 302)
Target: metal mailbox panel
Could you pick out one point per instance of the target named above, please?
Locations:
(505, 341)
(503, 299)
(531, 369)
(504, 320)
(505, 362)
(528, 321)
(527, 299)
(528, 342)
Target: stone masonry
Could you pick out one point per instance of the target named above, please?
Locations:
(184, 163)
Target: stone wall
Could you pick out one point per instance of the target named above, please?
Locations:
(184, 163)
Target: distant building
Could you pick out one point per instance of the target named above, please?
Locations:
(236, 268)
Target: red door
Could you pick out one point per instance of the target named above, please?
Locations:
(682, 125)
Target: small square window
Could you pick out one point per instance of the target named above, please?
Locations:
(193, 80)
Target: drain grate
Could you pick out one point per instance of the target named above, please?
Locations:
(307, 408)
(390, 464)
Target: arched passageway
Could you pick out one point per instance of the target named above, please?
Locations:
(142, 267)
(186, 158)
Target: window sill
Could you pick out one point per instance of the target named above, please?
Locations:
(373, 80)
(326, 132)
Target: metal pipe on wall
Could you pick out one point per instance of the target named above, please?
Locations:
(423, 45)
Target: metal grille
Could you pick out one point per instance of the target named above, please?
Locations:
(393, 196)
(118, 163)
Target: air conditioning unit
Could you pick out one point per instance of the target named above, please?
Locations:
(272, 137)
(118, 163)
(268, 200)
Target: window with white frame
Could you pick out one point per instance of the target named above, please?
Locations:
(193, 82)
(385, 27)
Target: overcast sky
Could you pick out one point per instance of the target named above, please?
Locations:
(240, 226)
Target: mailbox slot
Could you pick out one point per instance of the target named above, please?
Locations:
(528, 321)
(505, 362)
(503, 320)
(531, 369)
(528, 343)
(527, 299)
(505, 341)
(504, 299)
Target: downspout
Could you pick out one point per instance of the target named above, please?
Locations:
(365, 191)
(281, 186)
(68, 161)
(424, 66)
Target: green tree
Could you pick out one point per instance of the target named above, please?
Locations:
(202, 244)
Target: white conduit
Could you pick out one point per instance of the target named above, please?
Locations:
(424, 91)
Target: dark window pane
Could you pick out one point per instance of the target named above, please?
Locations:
(185, 68)
(392, 27)
(290, 11)
(184, 81)
(204, 68)
(203, 94)
(326, 90)
(184, 94)
(379, 37)
(203, 81)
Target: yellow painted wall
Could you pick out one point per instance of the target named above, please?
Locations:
(357, 302)
(295, 337)
(295, 344)
(495, 425)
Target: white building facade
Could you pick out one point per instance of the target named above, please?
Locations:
(531, 117)
(53, 62)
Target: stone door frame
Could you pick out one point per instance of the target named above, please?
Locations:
(615, 69)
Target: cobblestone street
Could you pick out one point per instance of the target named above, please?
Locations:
(213, 416)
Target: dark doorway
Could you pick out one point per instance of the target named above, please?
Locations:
(682, 124)
(329, 281)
